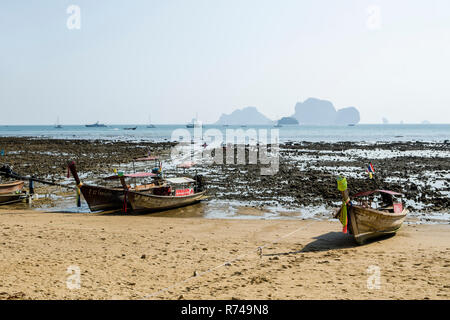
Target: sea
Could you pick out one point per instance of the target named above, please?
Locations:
(172, 132)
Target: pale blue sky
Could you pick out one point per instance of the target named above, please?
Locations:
(172, 59)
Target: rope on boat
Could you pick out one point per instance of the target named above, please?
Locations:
(197, 274)
(7, 172)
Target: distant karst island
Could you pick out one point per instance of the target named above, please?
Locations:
(310, 112)
(246, 116)
(287, 121)
(322, 112)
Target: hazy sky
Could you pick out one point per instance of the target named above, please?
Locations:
(172, 59)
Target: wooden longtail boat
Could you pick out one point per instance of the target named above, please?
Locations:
(97, 197)
(11, 187)
(101, 198)
(365, 222)
(8, 198)
(173, 193)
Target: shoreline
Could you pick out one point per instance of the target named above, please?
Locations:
(305, 177)
(122, 257)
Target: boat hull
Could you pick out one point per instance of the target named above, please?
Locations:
(12, 198)
(101, 198)
(152, 203)
(12, 187)
(368, 223)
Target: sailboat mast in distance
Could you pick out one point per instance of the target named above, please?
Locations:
(150, 125)
(57, 125)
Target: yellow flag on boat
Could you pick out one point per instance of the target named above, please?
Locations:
(342, 186)
(342, 183)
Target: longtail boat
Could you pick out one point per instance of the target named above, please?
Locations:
(12, 192)
(101, 198)
(169, 193)
(365, 222)
(8, 198)
(11, 187)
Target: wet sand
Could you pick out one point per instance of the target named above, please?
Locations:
(135, 257)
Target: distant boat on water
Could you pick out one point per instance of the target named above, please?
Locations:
(132, 128)
(194, 123)
(57, 125)
(96, 125)
(150, 125)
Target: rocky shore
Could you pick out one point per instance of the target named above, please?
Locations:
(306, 174)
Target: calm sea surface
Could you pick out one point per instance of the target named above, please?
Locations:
(362, 132)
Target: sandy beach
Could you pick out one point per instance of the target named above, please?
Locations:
(157, 257)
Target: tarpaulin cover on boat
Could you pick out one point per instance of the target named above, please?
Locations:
(180, 180)
(367, 193)
(186, 164)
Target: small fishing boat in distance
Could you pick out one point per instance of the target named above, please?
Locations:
(366, 222)
(150, 125)
(95, 125)
(58, 125)
(194, 123)
(131, 128)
